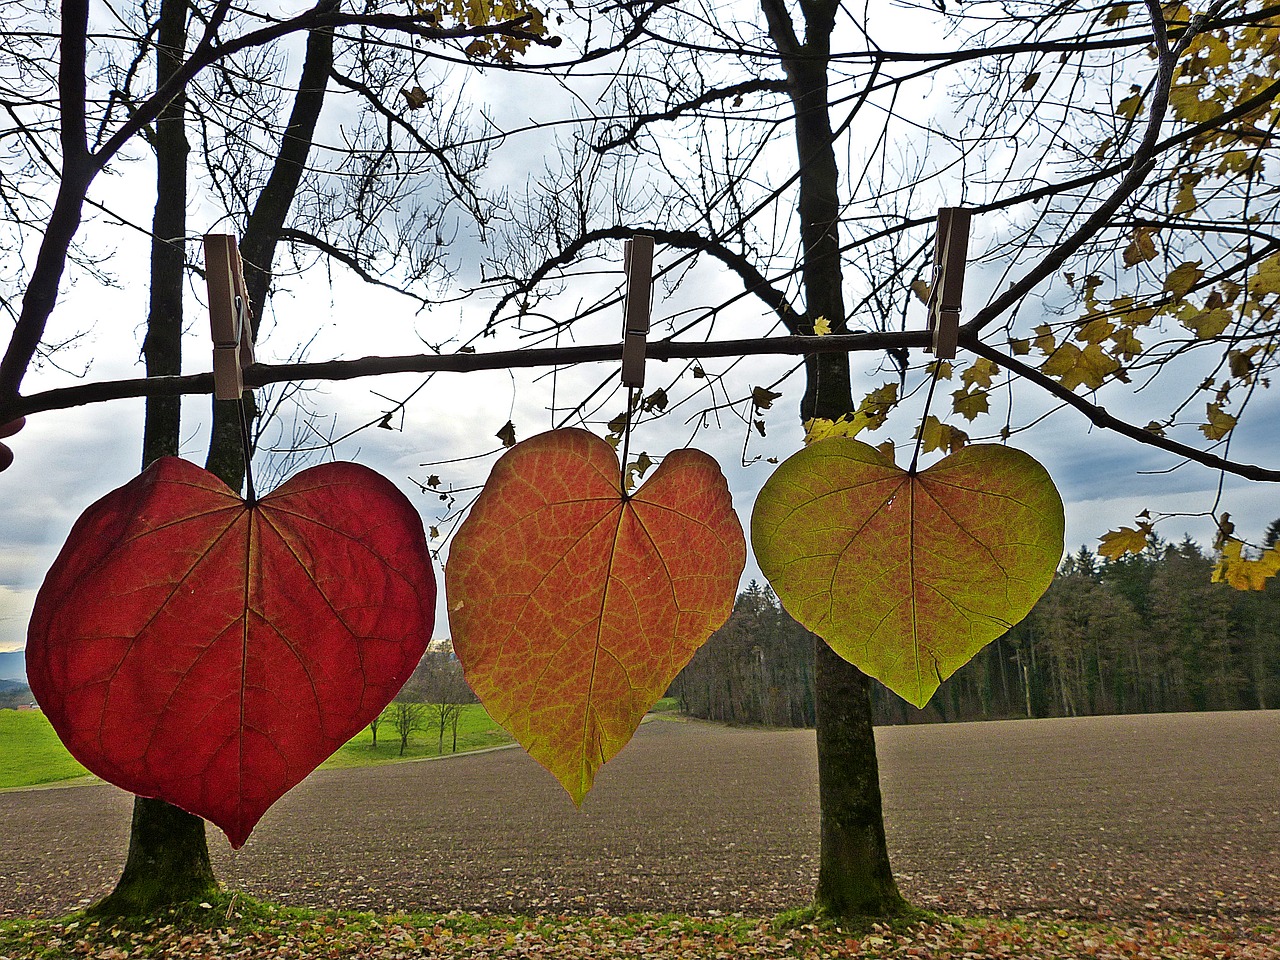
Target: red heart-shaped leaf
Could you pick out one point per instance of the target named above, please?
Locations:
(573, 607)
(188, 646)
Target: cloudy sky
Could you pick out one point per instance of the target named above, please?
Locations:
(67, 459)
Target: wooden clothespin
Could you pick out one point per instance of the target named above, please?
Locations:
(229, 319)
(950, 252)
(637, 261)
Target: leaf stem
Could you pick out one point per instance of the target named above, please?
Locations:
(632, 393)
(246, 448)
(928, 401)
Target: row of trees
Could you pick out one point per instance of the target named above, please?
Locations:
(757, 668)
(431, 700)
(1144, 633)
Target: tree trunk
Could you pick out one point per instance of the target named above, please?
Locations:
(168, 862)
(168, 859)
(162, 346)
(854, 875)
(262, 234)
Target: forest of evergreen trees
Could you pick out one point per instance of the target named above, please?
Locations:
(1146, 633)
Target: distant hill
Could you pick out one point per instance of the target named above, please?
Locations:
(13, 666)
(14, 694)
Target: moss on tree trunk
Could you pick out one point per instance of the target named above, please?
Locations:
(168, 862)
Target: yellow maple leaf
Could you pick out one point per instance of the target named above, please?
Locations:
(876, 405)
(819, 428)
(1243, 573)
(1116, 543)
(1241, 361)
(821, 327)
(1091, 283)
(1183, 278)
(1061, 362)
(1207, 324)
(1130, 314)
(1141, 248)
(1219, 422)
(1095, 331)
(1188, 107)
(1128, 107)
(1126, 344)
(969, 405)
(1218, 52)
(1118, 12)
(1095, 366)
(981, 374)
(1236, 161)
(1044, 341)
(1186, 202)
(1073, 367)
(936, 435)
(1266, 277)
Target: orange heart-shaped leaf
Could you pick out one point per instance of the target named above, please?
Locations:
(573, 607)
(908, 576)
(188, 646)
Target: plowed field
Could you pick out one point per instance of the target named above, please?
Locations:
(1131, 817)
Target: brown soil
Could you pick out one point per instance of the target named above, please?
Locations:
(1117, 816)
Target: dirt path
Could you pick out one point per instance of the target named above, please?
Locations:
(1120, 816)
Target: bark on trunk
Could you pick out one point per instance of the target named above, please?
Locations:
(162, 347)
(168, 862)
(854, 874)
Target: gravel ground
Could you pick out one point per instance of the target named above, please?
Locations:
(1126, 817)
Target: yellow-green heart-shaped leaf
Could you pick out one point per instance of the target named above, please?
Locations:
(908, 576)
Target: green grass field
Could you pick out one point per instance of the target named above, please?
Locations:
(32, 754)
(475, 732)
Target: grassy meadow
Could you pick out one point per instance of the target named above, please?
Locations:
(476, 731)
(31, 753)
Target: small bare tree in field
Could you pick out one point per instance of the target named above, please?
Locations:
(439, 685)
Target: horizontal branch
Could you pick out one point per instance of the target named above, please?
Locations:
(1098, 416)
(261, 374)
